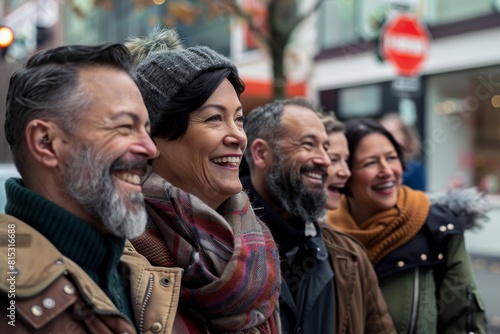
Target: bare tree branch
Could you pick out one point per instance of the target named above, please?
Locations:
(305, 15)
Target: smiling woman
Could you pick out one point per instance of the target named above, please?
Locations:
(200, 220)
(338, 172)
(417, 247)
(211, 147)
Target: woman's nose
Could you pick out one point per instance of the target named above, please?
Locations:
(385, 169)
(236, 136)
(344, 172)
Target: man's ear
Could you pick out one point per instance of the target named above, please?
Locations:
(262, 154)
(40, 142)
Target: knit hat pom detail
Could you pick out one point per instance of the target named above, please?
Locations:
(160, 39)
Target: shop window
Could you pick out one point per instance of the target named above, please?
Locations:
(203, 30)
(463, 130)
(408, 111)
(345, 22)
(362, 101)
(337, 22)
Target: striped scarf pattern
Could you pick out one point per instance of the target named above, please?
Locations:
(231, 265)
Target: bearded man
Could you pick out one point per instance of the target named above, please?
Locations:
(78, 131)
(328, 285)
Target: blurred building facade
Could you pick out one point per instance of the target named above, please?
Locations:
(332, 57)
(199, 22)
(41, 24)
(456, 109)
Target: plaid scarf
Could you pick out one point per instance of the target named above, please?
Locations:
(231, 265)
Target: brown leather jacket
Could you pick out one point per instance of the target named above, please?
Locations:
(361, 307)
(51, 294)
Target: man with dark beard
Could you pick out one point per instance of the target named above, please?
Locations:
(78, 130)
(328, 284)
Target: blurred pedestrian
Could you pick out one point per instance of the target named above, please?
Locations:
(199, 218)
(417, 249)
(328, 285)
(78, 131)
(408, 138)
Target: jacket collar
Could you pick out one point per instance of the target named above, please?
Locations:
(67, 233)
(37, 264)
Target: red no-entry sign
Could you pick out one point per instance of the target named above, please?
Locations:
(405, 43)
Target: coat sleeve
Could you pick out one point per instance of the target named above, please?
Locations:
(460, 305)
(363, 306)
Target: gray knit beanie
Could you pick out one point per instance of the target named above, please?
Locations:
(168, 68)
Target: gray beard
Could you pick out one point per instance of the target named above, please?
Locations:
(288, 188)
(88, 180)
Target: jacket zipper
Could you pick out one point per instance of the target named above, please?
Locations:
(147, 297)
(468, 320)
(416, 294)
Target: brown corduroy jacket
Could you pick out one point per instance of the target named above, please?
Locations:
(360, 305)
(41, 291)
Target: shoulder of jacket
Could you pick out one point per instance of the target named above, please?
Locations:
(35, 264)
(341, 240)
(36, 277)
(468, 206)
(29, 256)
(442, 222)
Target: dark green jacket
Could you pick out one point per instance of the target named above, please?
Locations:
(428, 283)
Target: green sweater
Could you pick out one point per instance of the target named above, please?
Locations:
(97, 254)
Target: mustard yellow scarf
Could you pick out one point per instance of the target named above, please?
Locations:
(387, 230)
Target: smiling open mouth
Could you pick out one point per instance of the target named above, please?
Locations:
(335, 189)
(384, 186)
(128, 177)
(227, 161)
(313, 175)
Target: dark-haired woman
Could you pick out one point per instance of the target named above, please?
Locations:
(417, 248)
(199, 218)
